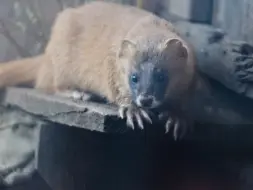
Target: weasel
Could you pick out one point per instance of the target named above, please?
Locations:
(130, 56)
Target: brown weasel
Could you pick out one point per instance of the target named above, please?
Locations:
(127, 55)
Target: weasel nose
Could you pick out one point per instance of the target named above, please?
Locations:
(146, 101)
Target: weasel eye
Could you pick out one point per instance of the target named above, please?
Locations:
(134, 78)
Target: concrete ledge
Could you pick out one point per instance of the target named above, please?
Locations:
(103, 117)
(92, 116)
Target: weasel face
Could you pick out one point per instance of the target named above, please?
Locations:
(148, 85)
(154, 69)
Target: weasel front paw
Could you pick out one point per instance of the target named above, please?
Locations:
(74, 95)
(177, 124)
(133, 113)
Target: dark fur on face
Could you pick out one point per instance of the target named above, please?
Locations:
(148, 84)
(149, 74)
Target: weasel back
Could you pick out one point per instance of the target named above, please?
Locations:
(85, 42)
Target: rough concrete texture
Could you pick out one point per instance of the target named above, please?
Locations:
(229, 114)
(18, 141)
(61, 110)
(219, 57)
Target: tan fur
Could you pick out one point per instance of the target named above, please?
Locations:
(22, 71)
(82, 52)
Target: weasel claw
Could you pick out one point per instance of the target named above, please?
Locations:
(168, 125)
(130, 121)
(177, 124)
(133, 113)
(176, 130)
(122, 112)
(139, 121)
(146, 116)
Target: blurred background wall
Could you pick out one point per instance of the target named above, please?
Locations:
(25, 24)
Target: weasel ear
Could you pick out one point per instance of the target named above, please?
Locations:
(176, 47)
(127, 49)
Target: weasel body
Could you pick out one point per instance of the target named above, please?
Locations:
(127, 55)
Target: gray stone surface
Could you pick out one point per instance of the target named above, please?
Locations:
(61, 110)
(228, 114)
(235, 17)
(18, 141)
(190, 10)
(221, 58)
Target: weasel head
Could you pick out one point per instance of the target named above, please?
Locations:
(153, 69)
